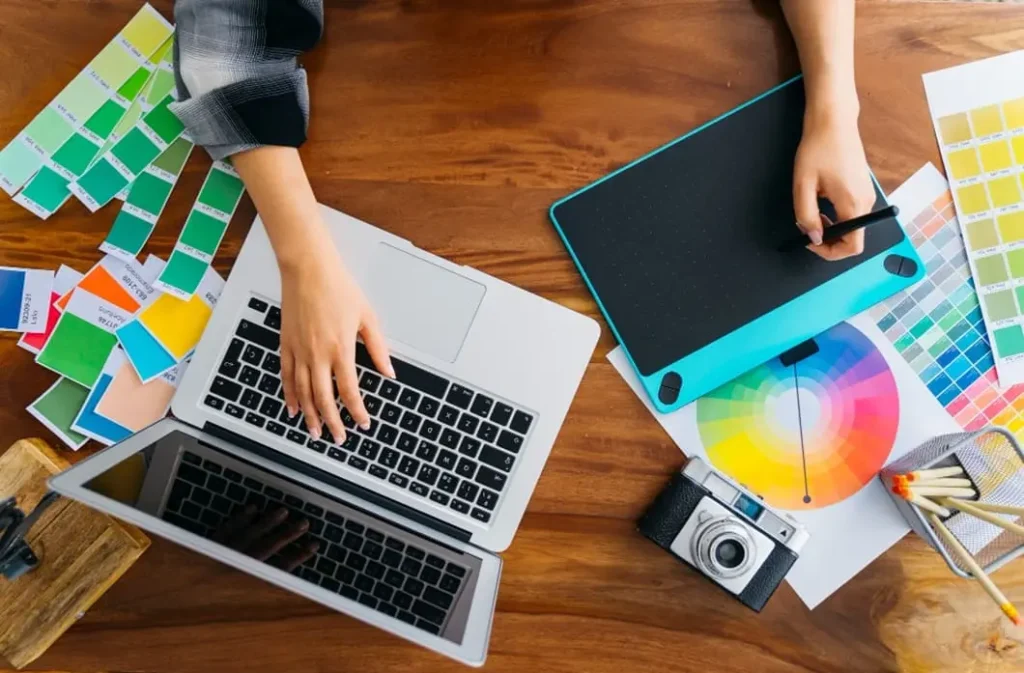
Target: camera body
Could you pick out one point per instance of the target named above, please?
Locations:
(725, 532)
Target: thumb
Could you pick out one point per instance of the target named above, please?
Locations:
(805, 205)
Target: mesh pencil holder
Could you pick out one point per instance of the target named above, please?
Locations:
(992, 459)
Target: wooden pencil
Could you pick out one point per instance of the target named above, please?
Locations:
(1000, 509)
(979, 513)
(935, 473)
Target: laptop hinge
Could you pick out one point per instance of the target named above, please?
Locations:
(340, 483)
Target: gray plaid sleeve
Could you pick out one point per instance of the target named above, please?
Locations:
(239, 82)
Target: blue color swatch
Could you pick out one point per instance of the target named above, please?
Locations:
(145, 353)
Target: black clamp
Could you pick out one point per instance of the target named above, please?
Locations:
(16, 557)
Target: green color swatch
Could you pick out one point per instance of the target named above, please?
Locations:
(105, 119)
(1000, 305)
(183, 272)
(164, 122)
(1009, 340)
(17, 164)
(1019, 290)
(221, 191)
(174, 157)
(113, 63)
(982, 234)
(102, 182)
(133, 86)
(60, 406)
(991, 269)
(77, 349)
(129, 233)
(1016, 261)
(149, 193)
(135, 151)
(203, 232)
(48, 189)
(76, 154)
(49, 130)
(82, 96)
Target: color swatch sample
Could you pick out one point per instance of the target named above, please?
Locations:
(48, 189)
(178, 324)
(90, 423)
(119, 167)
(976, 112)
(133, 404)
(65, 279)
(808, 435)
(83, 338)
(203, 231)
(143, 351)
(24, 299)
(937, 326)
(57, 408)
(145, 201)
(122, 284)
(82, 97)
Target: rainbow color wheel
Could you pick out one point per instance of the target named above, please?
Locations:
(807, 435)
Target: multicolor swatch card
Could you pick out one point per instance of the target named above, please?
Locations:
(57, 408)
(83, 97)
(65, 279)
(48, 189)
(90, 423)
(24, 299)
(978, 113)
(133, 404)
(126, 285)
(203, 231)
(83, 338)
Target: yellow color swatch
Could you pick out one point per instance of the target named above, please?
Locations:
(954, 129)
(175, 323)
(995, 156)
(1011, 227)
(986, 121)
(963, 163)
(147, 30)
(1004, 191)
(1013, 110)
(1017, 142)
(973, 199)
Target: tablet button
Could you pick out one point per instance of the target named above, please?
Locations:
(671, 384)
(898, 265)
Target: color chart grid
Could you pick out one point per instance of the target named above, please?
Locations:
(937, 325)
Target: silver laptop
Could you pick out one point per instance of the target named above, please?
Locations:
(399, 524)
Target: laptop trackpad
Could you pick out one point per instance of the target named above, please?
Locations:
(422, 304)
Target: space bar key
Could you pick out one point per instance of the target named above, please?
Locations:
(410, 375)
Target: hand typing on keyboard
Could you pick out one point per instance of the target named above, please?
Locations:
(268, 537)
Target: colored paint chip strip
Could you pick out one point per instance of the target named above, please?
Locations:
(65, 279)
(83, 338)
(115, 170)
(204, 229)
(133, 404)
(146, 200)
(90, 423)
(82, 97)
(177, 324)
(24, 299)
(57, 409)
(127, 285)
(144, 352)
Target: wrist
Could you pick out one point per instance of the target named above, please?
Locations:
(832, 102)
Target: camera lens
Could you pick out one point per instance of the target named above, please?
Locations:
(730, 554)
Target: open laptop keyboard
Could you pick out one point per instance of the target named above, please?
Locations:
(354, 560)
(440, 440)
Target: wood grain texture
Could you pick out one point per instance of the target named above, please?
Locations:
(456, 123)
(81, 553)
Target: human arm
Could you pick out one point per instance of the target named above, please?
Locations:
(830, 161)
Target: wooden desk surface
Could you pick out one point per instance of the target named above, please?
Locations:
(456, 124)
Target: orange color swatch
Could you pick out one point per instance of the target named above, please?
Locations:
(133, 404)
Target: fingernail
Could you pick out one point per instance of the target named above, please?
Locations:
(815, 236)
(365, 425)
(391, 371)
(314, 432)
(292, 411)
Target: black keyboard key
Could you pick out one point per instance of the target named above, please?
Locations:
(326, 566)
(261, 335)
(398, 480)
(369, 449)
(355, 527)
(270, 407)
(253, 354)
(428, 475)
(387, 434)
(407, 442)
(191, 510)
(191, 474)
(293, 501)
(437, 597)
(469, 447)
(408, 398)
(496, 458)
(310, 576)
(392, 543)
(468, 423)
(229, 368)
(430, 430)
(269, 384)
(446, 459)
(391, 413)
(449, 415)
(391, 558)
(229, 390)
(290, 421)
(408, 374)
(426, 451)
(222, 505)
(297, 437)
(216, 484)
(487, 499)
(347, 420)
(450, 438)
(466, 468)
(331, 585)
(337, 454)
(372, 404)
(313, 510)
(412, 567)
(482, 405)
(250, 376)
(211, 466)
(448, 482)
(409, 466)
(439, 497)
(357, 462)
(234, 349)
(335, 553)
(389, 390)
(351, 442)
(491, 479)
(407, 617)
(468, 491)
(353, 541)
(378, 471)
(349, 592)
(232, 410)
(419, 489)
(272, 363)
(521, 422)
(272, 492)
(435, 561)
(214, 402)
(210, 518)
(428, 612)
(430, 576)
(395, 579)
(375, 570)
(258, 304)
(251, 399)
(253, 419)
(428, 407)
(410, 421)
(316, 445)
(316, 526)
(369, 381)
(401, 598)
(460, 507)
(199, 495)
(389, 457)
(415, 552)
(335, 534)
(276, 428)
(273, 320)
(458, 571)
(424, 625)
(383, 591)
(368, 600)
(450, 583)
(459, 396)
(510, 441)
(487, 432)
(480, 515)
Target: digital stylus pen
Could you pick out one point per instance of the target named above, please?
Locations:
(840, 229)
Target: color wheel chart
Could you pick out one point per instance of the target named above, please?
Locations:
(937, 325)
(807, 435)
